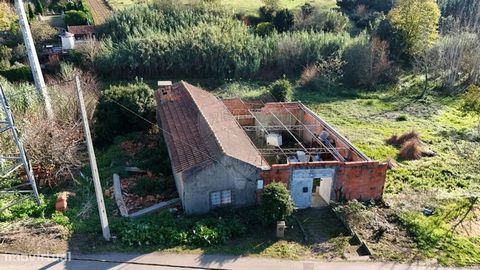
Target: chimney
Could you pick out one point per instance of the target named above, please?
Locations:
(165, 91)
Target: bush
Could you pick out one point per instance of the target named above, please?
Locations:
(471, 99)
(18, 73)
(284, 20)
(282, 90)
(138, 20)
(205, 43)
(367, 64)
(5, 57)
(38, 7)
(276, 203)
(324, 21)
(411, 150)
(148, 186)
(224, 49)
(76, 17)
(266, 13)
(167, 231)
(264, 29)
(116, 109)
(42, 32)
(289, 53)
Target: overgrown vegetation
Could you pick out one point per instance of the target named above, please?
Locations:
(123, 109)
(371, 68)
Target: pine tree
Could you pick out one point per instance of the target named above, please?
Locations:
(38, 7)
(31, 15)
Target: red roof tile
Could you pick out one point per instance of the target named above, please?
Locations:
(81, 29)
(198, 129)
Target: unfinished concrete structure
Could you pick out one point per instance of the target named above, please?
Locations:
(225, 152)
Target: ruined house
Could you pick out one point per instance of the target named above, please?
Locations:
(223, 152)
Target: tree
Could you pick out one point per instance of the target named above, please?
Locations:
(5, 57)
(284, 20)
(7, 16)
(42, 32)
(112, 119)
(281, 90)
(417, 21)
(367, 64)
(276, 203)
(76, 17)
(264, 29)
(271, 4)
(31, 15)
(471, 100)
(38, 7)
(266, 13)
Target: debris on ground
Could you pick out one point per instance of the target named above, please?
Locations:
(61, 204)
(29, 236)
(411, 146)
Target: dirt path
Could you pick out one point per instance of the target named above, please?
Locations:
(100, 11)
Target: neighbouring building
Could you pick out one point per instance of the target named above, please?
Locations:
(223, 152)
(82, 32)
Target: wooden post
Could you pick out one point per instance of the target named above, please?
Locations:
(93, 165)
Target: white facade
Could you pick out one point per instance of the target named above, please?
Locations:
(68, 41)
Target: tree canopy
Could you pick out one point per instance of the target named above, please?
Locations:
(7, 16)
(417, 21)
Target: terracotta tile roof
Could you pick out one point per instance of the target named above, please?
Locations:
(81, 29)
(199, 129)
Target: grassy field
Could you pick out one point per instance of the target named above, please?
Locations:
(446, 182)
(451, 235)
(246, 6)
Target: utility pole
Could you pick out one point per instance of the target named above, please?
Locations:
(93, 165)
(32, 57)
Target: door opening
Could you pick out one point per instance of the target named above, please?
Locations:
(322, 188)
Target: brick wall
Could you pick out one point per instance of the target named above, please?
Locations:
(353, 180)
(360, 180)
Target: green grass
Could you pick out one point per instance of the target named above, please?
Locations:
(367, 118)
(437, 237)
(243, 6)
(251, 6)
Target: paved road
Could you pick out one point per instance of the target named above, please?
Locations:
(159, 261)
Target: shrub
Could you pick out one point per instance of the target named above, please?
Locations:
(148, 186)
(31, 14)
(289, 53)
(284, 20)
(266, 13)
(471, 99)
(281, 90)
(38, 7)
(264, 29)
(276, 203)
(5, 57)
(116, 109)
(76, 17)
(367, 64)
(225, 50)
(411, 150)
(18, 73)
(42, 32)
(324, 21)
(307, 9)
(8, 16)
(138, 20)
(167, 230)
